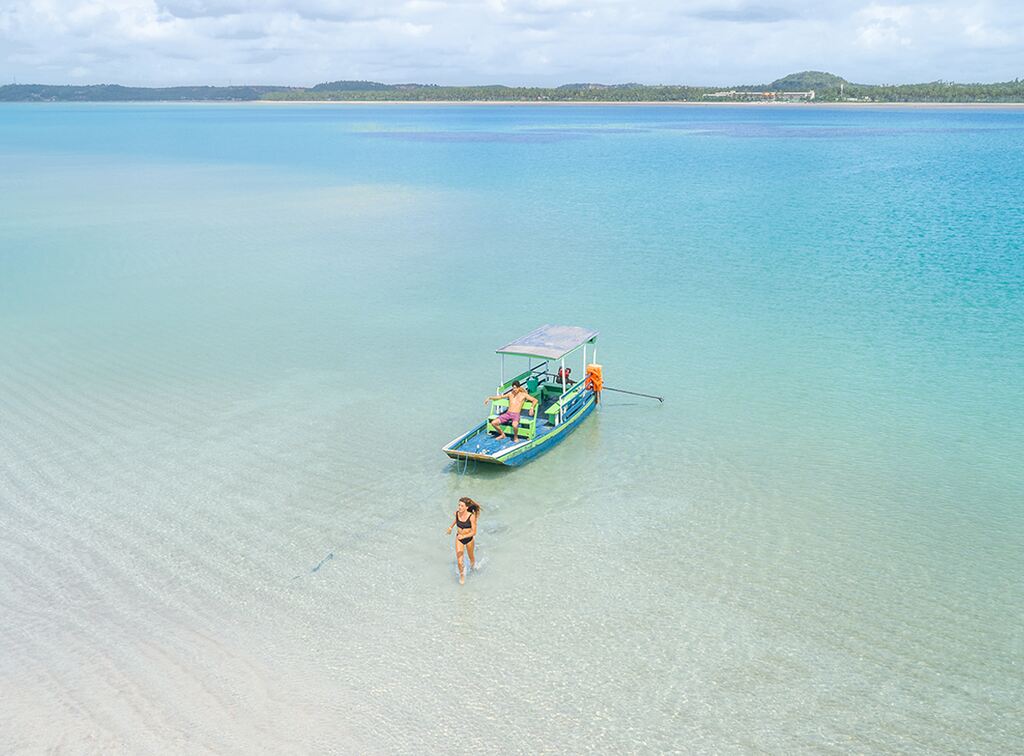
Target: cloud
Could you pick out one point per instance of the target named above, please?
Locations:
(885, 26)
(302, 42)
(750, 14)
(313, 10)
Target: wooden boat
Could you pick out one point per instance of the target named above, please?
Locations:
(564, 404)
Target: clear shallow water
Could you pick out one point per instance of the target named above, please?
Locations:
(234, 339)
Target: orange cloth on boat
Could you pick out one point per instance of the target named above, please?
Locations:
(595, 379)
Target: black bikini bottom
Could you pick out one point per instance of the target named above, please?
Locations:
(465, 540)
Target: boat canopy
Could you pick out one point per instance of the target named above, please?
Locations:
(549, 342)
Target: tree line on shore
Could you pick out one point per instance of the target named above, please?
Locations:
(826, 87)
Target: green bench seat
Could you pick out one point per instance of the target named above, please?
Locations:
(556, 406)
(527, 421)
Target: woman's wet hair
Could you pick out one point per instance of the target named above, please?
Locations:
(471, 505)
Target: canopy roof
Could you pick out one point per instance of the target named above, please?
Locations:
(549, 342)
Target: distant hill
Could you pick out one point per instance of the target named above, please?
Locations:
(368, 86)
(350, 86)
(807, 80)
(827, 87)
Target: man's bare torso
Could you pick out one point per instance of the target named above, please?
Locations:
(516, 399)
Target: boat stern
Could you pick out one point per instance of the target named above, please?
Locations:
(479, 446)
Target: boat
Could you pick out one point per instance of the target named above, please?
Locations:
(563, 403)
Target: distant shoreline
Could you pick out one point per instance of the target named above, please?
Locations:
(803, 88)
(656, 103)
(559, 103)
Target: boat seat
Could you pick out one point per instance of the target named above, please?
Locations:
(575, 392)
(527, 421)
(553, 390)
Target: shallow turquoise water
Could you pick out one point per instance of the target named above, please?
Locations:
(235, 338)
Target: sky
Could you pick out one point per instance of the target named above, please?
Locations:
(515, 42)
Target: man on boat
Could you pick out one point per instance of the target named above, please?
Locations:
(516, 398)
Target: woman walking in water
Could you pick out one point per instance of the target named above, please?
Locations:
(465, 519)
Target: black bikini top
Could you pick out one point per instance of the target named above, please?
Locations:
(465, 524)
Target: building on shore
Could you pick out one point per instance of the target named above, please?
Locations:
(742, 96)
